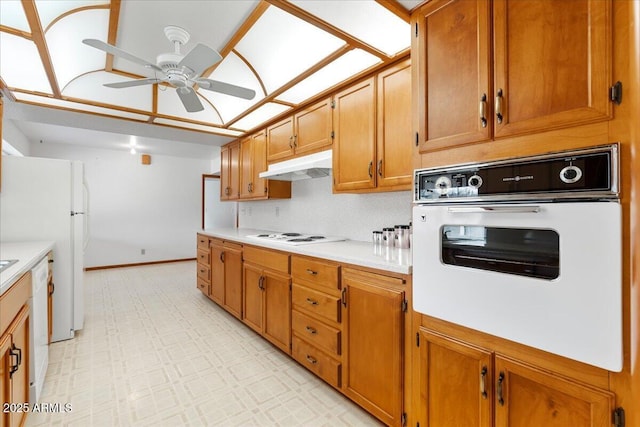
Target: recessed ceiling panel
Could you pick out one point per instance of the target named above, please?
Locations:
(49, 10)
(193, 126)
(349, 64)
(90, 87)
(300, 45)
(261, 115)
(235, 71)
(20, 64)
(74, 106)
(367, 20)
(69, 55)
(12, 15)
(169, 104)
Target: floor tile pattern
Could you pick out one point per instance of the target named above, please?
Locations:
(155, 352)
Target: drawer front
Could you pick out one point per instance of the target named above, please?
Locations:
(272, 260)
(317, 273)
(317, 362)
(316, 332)
(203, 256)
(203, 242)
(203, 285)
(12, 300)
(204, 273)
(319, 303)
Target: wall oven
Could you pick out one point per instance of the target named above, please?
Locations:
(526, 249)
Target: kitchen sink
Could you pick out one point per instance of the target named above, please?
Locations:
(6, 263)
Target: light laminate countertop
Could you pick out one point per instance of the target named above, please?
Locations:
(349, 251)
(28, 255)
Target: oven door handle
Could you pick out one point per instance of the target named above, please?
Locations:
(494, 209)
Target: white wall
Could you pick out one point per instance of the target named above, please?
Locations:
(133, 207)
(314, 209)
(17, 139)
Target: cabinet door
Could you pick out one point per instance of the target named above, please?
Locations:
(526, 396)
(277, 307)
(280, 140)
(253, 283)
(354, 120)
(552, 63)
(20, 378)
(260, 186)
(233, 281)
(454, 375)
(394, 142)
(374, 328)
(452, 57)
(313, 127)
(216, 292)
(225, 172)
(246, 168)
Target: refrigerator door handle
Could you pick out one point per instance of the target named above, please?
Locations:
(73, 213)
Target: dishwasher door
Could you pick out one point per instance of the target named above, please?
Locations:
(39, 330)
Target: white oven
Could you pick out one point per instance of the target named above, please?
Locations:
(527, 249)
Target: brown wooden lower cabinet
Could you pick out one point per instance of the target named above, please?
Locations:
(226, 275)
(465, 385)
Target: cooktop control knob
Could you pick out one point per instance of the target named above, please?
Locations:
(475, 181)
(442, 185)
(570, 174)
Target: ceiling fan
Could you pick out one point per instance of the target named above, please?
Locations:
(180, 71)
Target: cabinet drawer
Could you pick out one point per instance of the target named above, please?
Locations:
(203, 242)
(317, 362)
(203, 256)
(273, 260)
(203, 285)
(204, 273)
(316, 332)
(13, 299)
(319, 303)
(315, 272)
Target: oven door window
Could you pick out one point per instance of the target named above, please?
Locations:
(518, 251)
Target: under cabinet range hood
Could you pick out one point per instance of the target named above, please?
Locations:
(315, 165)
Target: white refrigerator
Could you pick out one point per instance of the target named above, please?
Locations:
(46, 199)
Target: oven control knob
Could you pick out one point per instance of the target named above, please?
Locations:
(475, 181)
(570, 174)
(442, 185)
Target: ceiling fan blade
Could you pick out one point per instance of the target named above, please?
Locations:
(226, 88)
(131, 83)
(98, 44)
(200, 58)
(190, 99)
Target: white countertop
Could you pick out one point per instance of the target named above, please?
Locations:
(28, 255)
(349, 251)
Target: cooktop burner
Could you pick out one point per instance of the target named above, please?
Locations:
(295, 238)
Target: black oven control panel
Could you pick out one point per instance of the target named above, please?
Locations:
(578, 174)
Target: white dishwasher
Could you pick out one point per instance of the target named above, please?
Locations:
(39, 329)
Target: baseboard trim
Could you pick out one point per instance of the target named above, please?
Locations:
(137, 264)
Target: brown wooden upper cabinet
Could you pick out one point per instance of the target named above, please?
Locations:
(372, 125)
(488, 69)
(241, 163)
(308, 131)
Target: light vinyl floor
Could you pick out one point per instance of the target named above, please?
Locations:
(154, 351)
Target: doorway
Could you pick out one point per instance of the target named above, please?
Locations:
(215, 213)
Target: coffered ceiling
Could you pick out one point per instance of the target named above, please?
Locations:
(288, 52)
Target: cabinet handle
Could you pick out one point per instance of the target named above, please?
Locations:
(343, 297)
(291, 142)
(13, 352)
(261, 283)
(311, 330)
(483, 110)
(311, 360)
(380, 168)
(295, 141)
(483, 377)
(53, 288)
(311, 272)
(499, 389)
(227, 190)
(222, 257)
(371, 169)
(499, 106)
(312, 301)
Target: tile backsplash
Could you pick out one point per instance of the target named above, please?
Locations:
(313, 208)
